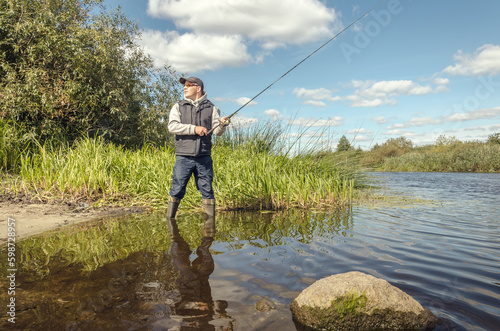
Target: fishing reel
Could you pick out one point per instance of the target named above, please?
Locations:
(222, 123)
(225, 122)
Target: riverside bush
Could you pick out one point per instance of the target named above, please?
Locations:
(463, 157)
(12, 145)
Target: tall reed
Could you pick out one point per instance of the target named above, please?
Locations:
(255, 172)
(92, 169)
(261, 181)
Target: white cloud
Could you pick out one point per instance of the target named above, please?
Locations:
(397, 87)
(240, 101)
(421, 121)
(314, 103)
(243, 121)
(359, 101)
(313, 122)
(373, 93)
(314, 94)
(359, 131)
(380, 120)
(213, 34)
(474, 115)
(477, 128)
(194, 52)
(399, 132)
(243, 100)
(361, 138)
(274, 114)
(484, 61)
(441, 81)
(442, 85)
(271, 23)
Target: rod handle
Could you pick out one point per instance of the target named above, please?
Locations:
(226, 123)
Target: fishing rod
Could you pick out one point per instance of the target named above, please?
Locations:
(226, 122)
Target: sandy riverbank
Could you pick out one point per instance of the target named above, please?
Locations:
(34, 218)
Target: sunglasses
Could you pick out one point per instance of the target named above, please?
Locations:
(190, 84)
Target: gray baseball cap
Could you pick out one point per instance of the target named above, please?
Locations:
(192, 79)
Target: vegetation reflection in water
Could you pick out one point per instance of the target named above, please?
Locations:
(131, 270)
(94, 244)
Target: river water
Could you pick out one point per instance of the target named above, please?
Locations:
(440, 243)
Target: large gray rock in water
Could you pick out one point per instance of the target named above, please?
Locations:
(357, 301)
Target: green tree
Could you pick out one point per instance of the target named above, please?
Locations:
(68, 67)
(343, 145)
(444, 143)
(392, 147)
(443, 140)
(401, 143)
(395, 147)
(494, 138)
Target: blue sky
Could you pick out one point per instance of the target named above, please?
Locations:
(413, 68)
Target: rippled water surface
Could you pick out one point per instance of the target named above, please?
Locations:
(131, 274)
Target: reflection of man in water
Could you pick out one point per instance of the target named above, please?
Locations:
(196, 306)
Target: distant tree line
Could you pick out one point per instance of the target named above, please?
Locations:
(70, 68)
(446, 154)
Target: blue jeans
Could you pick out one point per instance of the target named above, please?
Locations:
(201, 167)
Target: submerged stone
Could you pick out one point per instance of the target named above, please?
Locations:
(264, 305)
(357, 301)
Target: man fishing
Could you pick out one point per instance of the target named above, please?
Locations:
(192, 120)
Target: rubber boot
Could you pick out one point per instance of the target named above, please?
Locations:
(173, 204)
(209, 207)
(209, 227)
(173, 229)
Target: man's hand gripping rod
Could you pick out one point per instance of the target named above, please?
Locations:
(227, 121)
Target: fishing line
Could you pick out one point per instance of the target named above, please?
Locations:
(295, 66)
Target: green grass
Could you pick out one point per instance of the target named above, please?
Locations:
(253, 171)
(262, 181)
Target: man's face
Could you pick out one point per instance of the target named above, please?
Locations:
(191, 90)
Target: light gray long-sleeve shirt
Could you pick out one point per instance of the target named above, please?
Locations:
(176, 127)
